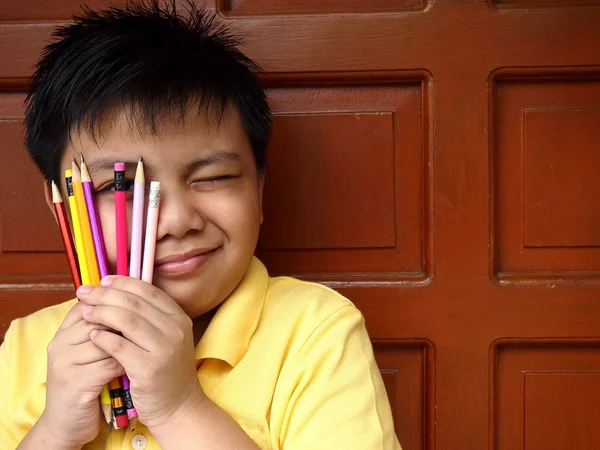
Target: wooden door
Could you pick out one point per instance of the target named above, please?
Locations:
(435, 161)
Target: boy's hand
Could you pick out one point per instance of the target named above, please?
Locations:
(156, 349)
(77, 371)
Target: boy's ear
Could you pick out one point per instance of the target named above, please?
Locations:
(48, 196)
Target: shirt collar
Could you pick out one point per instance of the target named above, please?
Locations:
(230, 330)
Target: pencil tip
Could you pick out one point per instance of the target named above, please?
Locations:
(81, 160)
(141, 159)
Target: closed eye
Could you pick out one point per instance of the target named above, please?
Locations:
(211, 183)
(215, 179)
(110, 188)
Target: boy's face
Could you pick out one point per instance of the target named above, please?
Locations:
(210, 207)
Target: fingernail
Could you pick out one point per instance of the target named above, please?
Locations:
(88, 309)
(84, 289)
(107, 280)
(93, 333)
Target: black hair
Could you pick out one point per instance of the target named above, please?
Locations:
(152, 61)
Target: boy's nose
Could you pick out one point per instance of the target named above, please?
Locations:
(177, 215)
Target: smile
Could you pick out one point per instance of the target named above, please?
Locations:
(184, 263)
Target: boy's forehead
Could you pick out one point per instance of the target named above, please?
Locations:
(195, 139)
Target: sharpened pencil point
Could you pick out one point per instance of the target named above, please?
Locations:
(56, 198)
(139, 172)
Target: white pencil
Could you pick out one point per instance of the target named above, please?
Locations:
(151, 229)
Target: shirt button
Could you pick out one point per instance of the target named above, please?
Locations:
(139, 442)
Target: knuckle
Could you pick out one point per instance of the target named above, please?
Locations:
(179, 335)
(111, 365)
(152, 292)
(118, 346)
(132, 321)
(132, 302)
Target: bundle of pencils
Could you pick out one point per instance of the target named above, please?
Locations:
(87, 256)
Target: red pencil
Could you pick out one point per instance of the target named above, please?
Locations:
(121, 218)
(65, 232)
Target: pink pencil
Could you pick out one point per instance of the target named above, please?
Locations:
(151, 230)
(121, 217)
(135, 261)
(135, 258)
(90, 202)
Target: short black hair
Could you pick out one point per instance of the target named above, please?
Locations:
(153, 61)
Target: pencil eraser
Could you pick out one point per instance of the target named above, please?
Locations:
(122, 421)
(120, 166)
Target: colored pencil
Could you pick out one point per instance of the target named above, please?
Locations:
(135, 257)
(84, 223)
(99, 247)
(137, 224)
(65, 232)
(100, 252)
(115, 388)
(85, 276)
(131, 412)
(151, 229)
(106, 404)
(121, 217)
(120, 185)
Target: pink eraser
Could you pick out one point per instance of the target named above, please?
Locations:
(120, 166)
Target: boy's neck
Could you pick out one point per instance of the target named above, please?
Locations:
(201, 324)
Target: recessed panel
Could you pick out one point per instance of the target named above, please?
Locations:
(243, 7)
(347, 179)
(26, 222)
(543, 4)
(407, 370)
(561, 410)
(45, 10)
(544, 393)
(333, 183)
(30, 245)
(545, 161)
(561, 152)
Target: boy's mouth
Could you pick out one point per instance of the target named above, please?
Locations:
(183, 263)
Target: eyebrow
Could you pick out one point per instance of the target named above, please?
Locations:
(216, 158)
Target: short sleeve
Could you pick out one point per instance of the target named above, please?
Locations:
(9, 438)
(337, 398)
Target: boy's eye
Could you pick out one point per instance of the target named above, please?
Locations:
(110, 188)
(209, 182)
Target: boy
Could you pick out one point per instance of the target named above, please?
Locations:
(219, 355)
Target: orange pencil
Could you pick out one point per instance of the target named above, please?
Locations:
(84, 222)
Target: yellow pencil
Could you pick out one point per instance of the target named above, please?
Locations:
(106, 405)
(84, 224)
(83, 268)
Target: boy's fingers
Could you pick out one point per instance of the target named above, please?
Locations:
(146, 291)
(80, 332)
(102, 371)
(133, 326)
(121, 349)
(74, 315)
(108, 296)
(88, 353)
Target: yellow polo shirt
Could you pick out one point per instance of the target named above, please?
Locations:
(289, 361)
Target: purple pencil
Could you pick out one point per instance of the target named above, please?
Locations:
(135, 258)
(88, 191)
